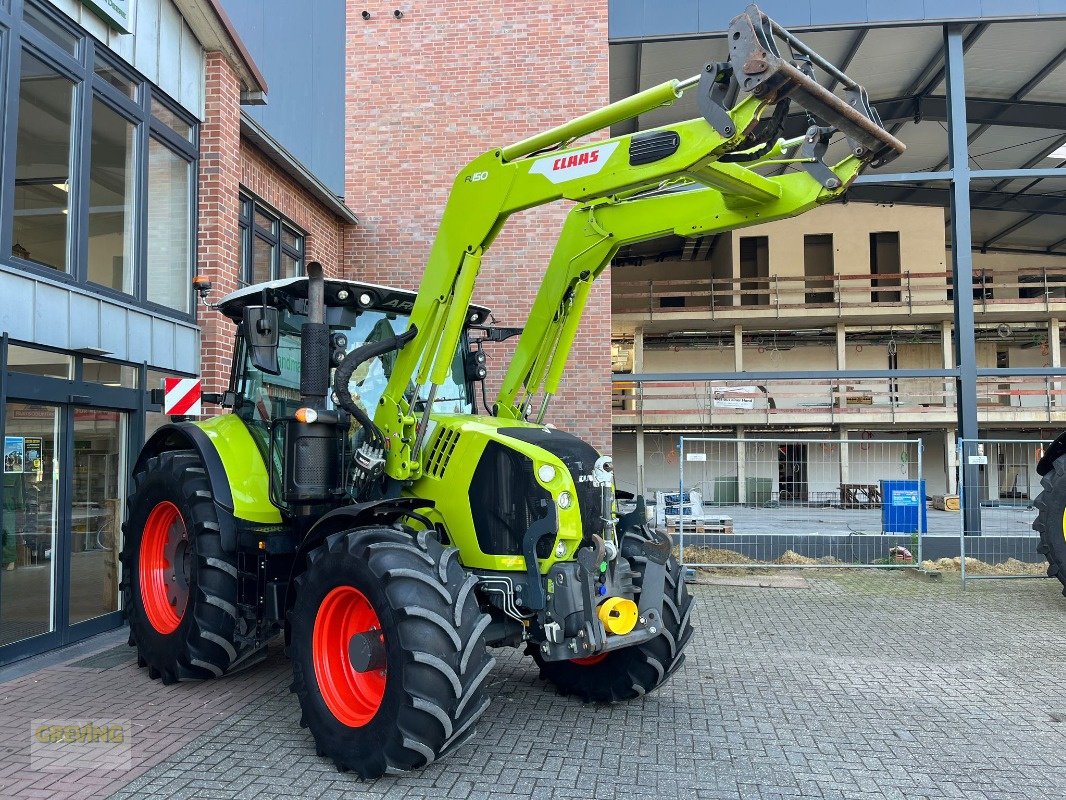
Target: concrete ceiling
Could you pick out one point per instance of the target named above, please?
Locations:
(1018, 65)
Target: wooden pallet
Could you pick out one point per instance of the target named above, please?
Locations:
(946, 502)
(701, 527)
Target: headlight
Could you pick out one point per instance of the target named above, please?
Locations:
(546, 472)
(565, 500)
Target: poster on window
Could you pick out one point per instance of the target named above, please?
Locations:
(33, 450)
(14, 454)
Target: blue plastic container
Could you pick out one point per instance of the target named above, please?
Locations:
(903, 507)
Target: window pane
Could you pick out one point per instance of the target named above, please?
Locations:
(170, 119)
(109, 374)
(31, 481)
(42, 165)
(66, 40)
(262, 259)
(290, 239)
(265, 221)
(245, 267)
(290, 267)
(111, 214)
(169, 228)
(116, 79)
(30, 361)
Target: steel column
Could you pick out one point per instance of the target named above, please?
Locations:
(962, 273)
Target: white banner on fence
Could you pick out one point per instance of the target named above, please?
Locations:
(741, 397)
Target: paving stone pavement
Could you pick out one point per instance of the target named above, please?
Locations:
(864, 685)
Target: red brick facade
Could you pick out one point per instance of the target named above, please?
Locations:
(262, 177)
(228, 163)
(429, 92)
(219, 238)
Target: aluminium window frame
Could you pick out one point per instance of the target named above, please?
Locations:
(248, 204)
(17, 36)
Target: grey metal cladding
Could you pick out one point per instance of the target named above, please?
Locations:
(300, 49)
(16, 309)
(51, 316)
(113, 321)
(635, 19)
(186, 349)
(84, 321)
(45, 313)
(138, 337)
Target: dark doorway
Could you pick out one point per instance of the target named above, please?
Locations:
(818, 268)
(754, 271)
(885, 266)
(792, 473)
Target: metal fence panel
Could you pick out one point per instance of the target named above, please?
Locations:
(810, 503)
(1003, 543)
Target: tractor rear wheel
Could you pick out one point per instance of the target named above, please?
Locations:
(630, 672)
(1051, 506)
(388, 650)
(179, 586)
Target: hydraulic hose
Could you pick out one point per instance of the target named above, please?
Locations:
(347, 368)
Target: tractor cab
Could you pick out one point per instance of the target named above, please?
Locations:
(264, 385)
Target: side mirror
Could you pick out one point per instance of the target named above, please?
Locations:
(262, 332)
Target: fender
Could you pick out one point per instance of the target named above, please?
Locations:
(187, 436)
(1051, 454)
(380, 512)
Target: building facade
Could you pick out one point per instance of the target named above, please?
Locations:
(133, 158)
(843, 324)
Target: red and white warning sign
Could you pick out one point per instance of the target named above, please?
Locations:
(181, 396)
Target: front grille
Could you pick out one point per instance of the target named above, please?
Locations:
(505, 498)
(579, 457)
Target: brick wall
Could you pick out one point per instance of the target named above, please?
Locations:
(226, 164)
(220, 177)
(262, 177)
(429, 92)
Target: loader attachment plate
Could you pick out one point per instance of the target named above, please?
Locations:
(756, 66)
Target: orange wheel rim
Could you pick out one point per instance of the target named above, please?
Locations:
(352, 697)
(588, 661)
(163, 567)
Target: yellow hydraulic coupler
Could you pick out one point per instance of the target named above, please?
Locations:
(618, 615)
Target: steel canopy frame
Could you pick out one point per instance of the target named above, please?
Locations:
(959, 178)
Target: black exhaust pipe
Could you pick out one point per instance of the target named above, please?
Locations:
(314, 343)
(311, 470)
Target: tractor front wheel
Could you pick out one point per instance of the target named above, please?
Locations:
(1051, 506)
(388, 650)
(179, 586)
(630, 672)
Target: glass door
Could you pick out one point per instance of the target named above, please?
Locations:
(98, 496)
(63, 501)
(30, 530)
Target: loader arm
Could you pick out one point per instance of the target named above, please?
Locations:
(716, 150)
(591, 236)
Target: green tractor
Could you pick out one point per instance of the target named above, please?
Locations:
(357, 498)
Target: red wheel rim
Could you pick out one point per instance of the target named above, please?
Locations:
(164, 567)
(588, 661)
(352, 697)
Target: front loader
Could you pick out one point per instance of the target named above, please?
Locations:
(354, 497)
